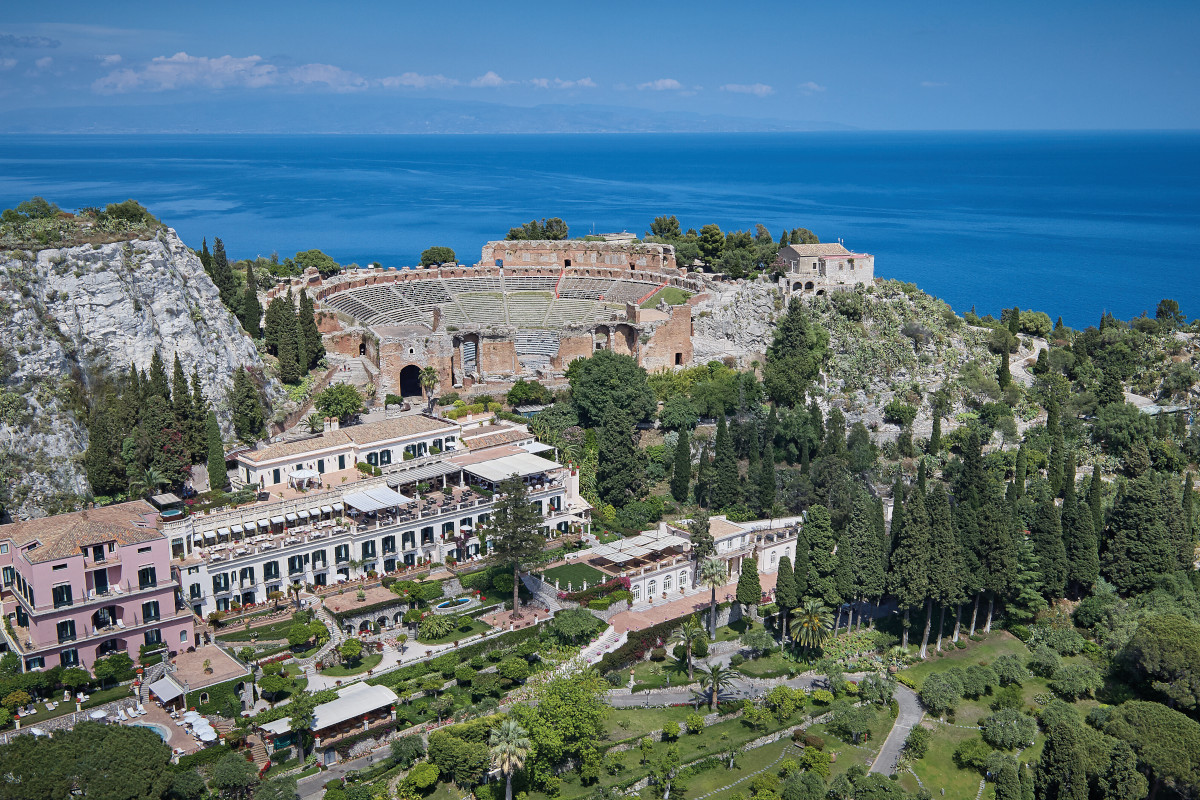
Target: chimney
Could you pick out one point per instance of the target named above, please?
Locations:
(333, 423)
(326, 428)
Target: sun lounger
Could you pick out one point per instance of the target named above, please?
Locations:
(141, 709)
(121, 714)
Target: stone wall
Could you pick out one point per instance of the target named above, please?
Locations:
(570, 348)
(670, 342)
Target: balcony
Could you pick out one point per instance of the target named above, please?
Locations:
(106, 560)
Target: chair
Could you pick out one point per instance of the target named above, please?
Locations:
(121, 714)
(141, 709)
(121, 624)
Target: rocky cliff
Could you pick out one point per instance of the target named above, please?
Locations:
(71, 317)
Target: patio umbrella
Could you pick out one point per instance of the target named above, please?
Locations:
(192, 716)
(207, 735)
(37, 731)
(99, 713)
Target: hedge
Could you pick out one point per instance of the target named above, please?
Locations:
(638, 644)
(222, 698)
(202, 758)
(461, 655)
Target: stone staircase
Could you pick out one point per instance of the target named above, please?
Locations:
(151, 674)
(542, 592)
(336, 637)
(258, 750)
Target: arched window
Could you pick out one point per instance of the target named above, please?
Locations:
(683, 579)
(637, 591)
(666, 583)
(652, 587)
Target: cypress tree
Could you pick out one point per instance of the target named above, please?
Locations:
(1014, 321)
(816, 427)
(725, 490)
(785, 593)
(1079, 538)
(966, 529)
(766, 479)
(862, 550)
(1028, 791)
(274, 324)
(131, 402)
(1048, 545)
(1022, 468)
(622, 464)
(1138, 546)
(1095, 500)
(1043, 363)
(218, 478)
(158, 379)
(222, 276)
(1061, 771)
(897, 515)
(247, 409)
(700, 534)
(835, 433)
(1004, 373)
(1058, 324)
(314, 346)
(771, 431)
(1054, 469)
(800, 567)
(168, 455)
(251, 308)
(703, 489)
(681, 471)
(1121, 779)
(1008, 781)
(996, 551)
(181, 396)
(935, 438)
(206, 257)
(946, 568)
(199, 443)
(921, 476)
(102, 459)
(822, 563)
(908, 579)
(1189, 497)
(749, 587)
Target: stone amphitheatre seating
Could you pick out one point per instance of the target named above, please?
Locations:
(541, 343)
(423, 294)
(481, 308)
(629, 291)
(585, 288)
(529, 283)
(567, 311)
(528, 309)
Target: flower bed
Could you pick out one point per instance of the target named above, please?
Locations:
(618, 584)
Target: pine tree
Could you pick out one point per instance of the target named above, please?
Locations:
(218, 478)
(1008, 782)
(1189, 518)
(935, 438)
(862, 549)
(726, 491)
(749, 587)
(222, 276)
(908, 580)
(1121, 779)
(251, 308)
(314, 346)
(946, 568)
(681, 472)
(996, 551)
(622, 464)
(1061, 771)
(206, 257)
(247, 409)
(785, 593)
(1048, 545)
(1022, 468)
(1079, 539)
(158, 379)
(1138, 544)
(1004, 373)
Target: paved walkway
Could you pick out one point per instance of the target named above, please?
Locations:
(313, 786)
(909, 716)
(645, 615)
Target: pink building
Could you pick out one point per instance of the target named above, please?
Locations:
(83, 585)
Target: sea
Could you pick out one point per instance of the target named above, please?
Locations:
(1073, 224)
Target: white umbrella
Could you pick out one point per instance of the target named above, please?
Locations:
(99, 713)
(37, 731)
(207, 735)
(192, 716)
(202, 726)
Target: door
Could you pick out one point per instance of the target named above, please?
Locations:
(100, 577)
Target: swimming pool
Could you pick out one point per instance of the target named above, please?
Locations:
(161, 730)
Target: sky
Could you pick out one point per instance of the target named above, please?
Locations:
(1093, 64)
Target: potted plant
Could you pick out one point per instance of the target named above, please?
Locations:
(208, 666)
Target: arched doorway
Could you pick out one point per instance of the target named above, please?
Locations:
(410, 381)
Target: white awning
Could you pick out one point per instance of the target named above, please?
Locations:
(290, 517)
(303, 474)
(338, 507)
(210, 535)
(535, 447)
(276, 520)
(165, 689)
(238, 529)
(326, 510)
(522, 465)
(352, 702)
(223, 531)
(197, 538)
(277, 727)
(375, 499)
(303, 513)
(263, 523)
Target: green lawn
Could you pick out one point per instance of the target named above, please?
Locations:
(624, 723)
(364, 664)
(998, 643)
(669, 674)
(746, 765)
(273, 630)
(575, 575)
(937, 769)
(458, 634)
(672, 294)
(772, 666)
(97, 698)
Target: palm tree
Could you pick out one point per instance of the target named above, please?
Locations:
(687, 634)
(509, 747)
(294, 589)
(717, 679)
(147, 481)
(315, 422)
(712, 574)
(811, 625)
(429, 382)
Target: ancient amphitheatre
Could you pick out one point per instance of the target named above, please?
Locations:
(529, 308)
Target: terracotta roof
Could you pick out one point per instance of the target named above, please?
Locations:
(499, 435)
(831, 249)
(63, 535)
(364, 434)
(719, 527)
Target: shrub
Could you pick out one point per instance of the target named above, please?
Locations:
(423, 777)
(941, 693)
(1009, 670)
(899, 412)
(978, 680)
(822, 696)
(513, 668)
(1061, 639)
(1044, 661)
(1074, 681)
(1008, 697)
(658, 654)
(1008, 729)
(917, 743)
(972, 754)
(694, 722)
(1022, 632)
(736, 660)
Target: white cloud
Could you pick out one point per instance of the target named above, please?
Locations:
(335, 78)
(808, 87)
(756, 89)
(415, 80)
(932, 84)
(182, 71)
(661, 85)
(110, 61)
(488, 80)
(10, 40)
(44, 62)
(558, 83)
(7, 63)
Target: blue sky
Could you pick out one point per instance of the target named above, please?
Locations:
(872, 65)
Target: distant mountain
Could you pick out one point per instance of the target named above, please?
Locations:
(369, 114)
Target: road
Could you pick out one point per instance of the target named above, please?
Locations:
(910, 714)
(313, 787)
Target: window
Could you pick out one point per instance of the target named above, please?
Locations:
(143, 550)
(66, 631)
(69, 657)
(37, 662)
(150, 611)
(57, 567)
(448, 529)
(683, 579)
(341, 553)
(223, 604)
(154, 637)
(389, 544)
(10, 575)
(147, 578)
(368, 550)
(652, 587)
(194, 591)
(341, 462)
(373, 459)
(221, 584)
(3, 549)
(270, 570)
(427, 535)
(637, 591)
(666, 583)
(320, 466)
(295, 565)
(183, 637)
(275, 475)
(319, 557)
(62, 595)
(385, 457)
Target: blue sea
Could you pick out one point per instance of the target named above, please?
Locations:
(1069, 223)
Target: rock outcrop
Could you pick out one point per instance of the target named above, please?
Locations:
(69, 320)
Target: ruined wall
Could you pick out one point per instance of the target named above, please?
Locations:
(498, 357)
(571, 348)
(670, 343)
(578, 253)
